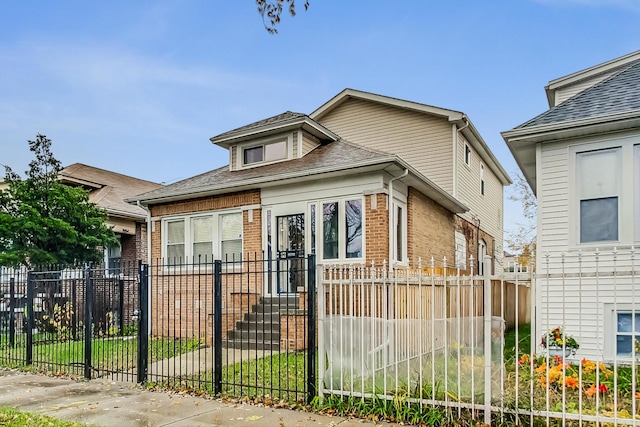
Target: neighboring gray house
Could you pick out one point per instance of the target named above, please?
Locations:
(582, 159)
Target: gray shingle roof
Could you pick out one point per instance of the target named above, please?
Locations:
(619, 93)
(283, 117)
(339, 155)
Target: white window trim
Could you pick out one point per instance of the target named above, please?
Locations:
(466, 160)
(611, 329)
(240, 148)
(342, 230)
(626, 194)
(217, 244)
(405, 260)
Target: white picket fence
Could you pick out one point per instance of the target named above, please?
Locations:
(436, 336)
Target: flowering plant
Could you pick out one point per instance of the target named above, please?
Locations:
(557, 338)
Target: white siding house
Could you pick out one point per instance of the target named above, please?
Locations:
(582, 159)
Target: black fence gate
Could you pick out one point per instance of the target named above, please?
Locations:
(215, 326)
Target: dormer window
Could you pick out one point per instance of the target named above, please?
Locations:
(265, 153)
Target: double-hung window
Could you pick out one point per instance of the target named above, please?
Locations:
(175, 249)
(627, 331)
(399, 232)
(599, 187)
(202, 233)
(203, 237)
(231, 237)
(342, 229)
(264, 153)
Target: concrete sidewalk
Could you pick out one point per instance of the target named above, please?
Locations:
(107, 403)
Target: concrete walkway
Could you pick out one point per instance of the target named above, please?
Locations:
(108, 403)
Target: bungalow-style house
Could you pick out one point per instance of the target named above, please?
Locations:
(582, 159)
(109, 190)
(364, 178)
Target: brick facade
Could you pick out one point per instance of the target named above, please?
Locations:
(184, 300)
(430, 229)
(376, 227)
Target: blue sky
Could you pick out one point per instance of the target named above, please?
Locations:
(140, 87)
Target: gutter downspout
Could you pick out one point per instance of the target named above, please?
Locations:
(392, 214)
(455, 132)
(148, 230)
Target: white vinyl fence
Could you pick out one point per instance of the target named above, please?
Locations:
(442, 337)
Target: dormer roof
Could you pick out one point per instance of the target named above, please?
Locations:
(280, 123)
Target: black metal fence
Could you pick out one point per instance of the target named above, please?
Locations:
(237, 328)
(77, 321)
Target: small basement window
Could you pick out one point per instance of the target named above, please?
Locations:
(265, 153)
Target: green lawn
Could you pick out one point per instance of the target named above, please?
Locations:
(15, 418)
(111, 354)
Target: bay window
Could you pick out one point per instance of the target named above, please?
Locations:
(231, 237)
(342, 229)
(175, 241)
(202, 238)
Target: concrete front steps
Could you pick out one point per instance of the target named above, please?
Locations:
(260, 329)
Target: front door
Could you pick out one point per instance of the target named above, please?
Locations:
(290, 253)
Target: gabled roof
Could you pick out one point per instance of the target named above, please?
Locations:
(336, 159)
(467, 128)
(276, 124)
(409, 105)
(108, 189)
(610, 105)
(617, 94)
(588, 73)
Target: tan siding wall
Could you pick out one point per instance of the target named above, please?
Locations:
(234, 158)
(294, 153)
(488, 208)
(420, 139)
(309, 142)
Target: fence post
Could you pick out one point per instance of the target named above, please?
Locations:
(487, 338)
(12, 312)
(143, 323)
(217, 327)
(121, 305)
(29, 309)
(88, 321)
(311, 316)
(322, 312)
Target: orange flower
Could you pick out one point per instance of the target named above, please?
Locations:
(637, 394)
(524, 359)
(571, 382)
(588, 366)
(542, 381)
(591, 391)
(540, 369)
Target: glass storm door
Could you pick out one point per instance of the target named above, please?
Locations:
(290, 253)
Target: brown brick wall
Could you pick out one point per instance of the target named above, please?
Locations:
(430, 228)
(128, 254)
(184, 299)
(377, 229)
(472, 233)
